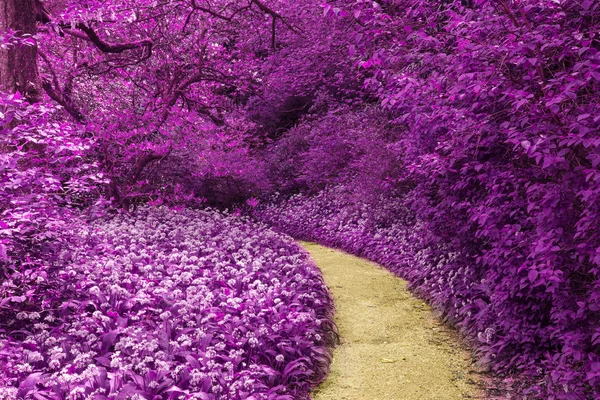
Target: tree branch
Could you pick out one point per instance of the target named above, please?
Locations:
(273, 32)
(274, 14)
(112, 47)
(209, 11)
(143, 161)
(92, 36)
(55, 93)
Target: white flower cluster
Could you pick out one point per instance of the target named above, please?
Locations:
(203, 301)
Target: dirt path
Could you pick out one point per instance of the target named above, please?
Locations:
(391, 346)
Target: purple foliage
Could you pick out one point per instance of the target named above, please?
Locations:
(511, 318)
(455, 142)
(171, 305)
(491, 207)
(45, 172)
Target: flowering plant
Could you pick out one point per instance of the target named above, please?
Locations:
(173, 305)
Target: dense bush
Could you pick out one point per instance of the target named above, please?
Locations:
(45, 173)
(344, 145)
(46, 178)
(507, 333)
(493, 110)
(174, 304)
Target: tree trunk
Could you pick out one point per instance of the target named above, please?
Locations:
(18, 63)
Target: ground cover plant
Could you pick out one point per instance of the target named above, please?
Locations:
(166, 304)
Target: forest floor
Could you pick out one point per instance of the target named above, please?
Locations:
(392, 347)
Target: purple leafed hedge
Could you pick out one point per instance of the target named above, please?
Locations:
(171, 305)
(542, 328)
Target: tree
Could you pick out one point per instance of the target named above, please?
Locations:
(18, 58)
(152, 80)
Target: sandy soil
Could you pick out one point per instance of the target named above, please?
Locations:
(392, 348)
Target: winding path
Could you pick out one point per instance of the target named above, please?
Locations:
(391, 346)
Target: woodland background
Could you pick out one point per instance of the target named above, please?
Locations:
(455, 142)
